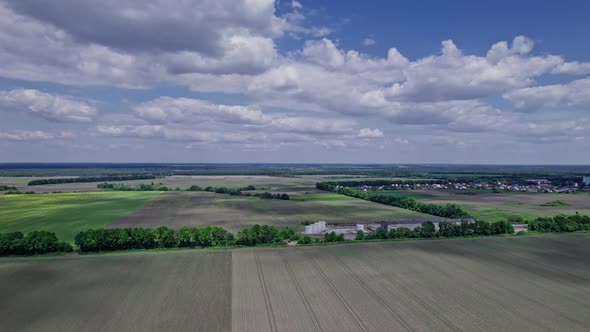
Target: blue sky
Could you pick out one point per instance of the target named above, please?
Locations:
(295, 81)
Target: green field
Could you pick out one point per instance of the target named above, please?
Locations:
(491, 206)
(406, 193)
(529, 283)
(68, 213)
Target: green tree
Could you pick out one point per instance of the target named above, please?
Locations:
(305, 240)
(428, 229)
(360, 235)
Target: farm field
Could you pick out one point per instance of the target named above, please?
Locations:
(66, 214)
(500, 206)
(290, 185)
(175, 209)
(167, 291)
(507, 284)
(527, 283)
(296, 185)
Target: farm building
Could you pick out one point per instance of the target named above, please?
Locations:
(316, 227)
(388, 225)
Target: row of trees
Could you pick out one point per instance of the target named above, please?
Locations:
(217, 190)
(267, 195)
(229, 191)
(560, 223)
(240, 192)
(94, 240)
(452, 211)
(102, 178)
(161, 187)
(446, 229)
(33, 243)
(126, 187)
(5, 188)
(265, 234)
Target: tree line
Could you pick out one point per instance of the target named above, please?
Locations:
(267, 195)
(98, 240)
(102, 178)
(446, 229)
(126, 187)
(95, 240)
(218, 190)
(5, 188)
(452, 211)
(560, 223)
(428, 231)
(33, 243)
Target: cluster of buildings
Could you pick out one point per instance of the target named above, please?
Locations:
(533, 185)
(320, 228)
(349, 231)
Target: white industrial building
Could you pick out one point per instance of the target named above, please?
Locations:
(316, 227)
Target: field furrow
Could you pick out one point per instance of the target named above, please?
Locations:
(135, 292)
(302, 295)
(250, 310)
(328, 307)
(287, 306)
(373, 315)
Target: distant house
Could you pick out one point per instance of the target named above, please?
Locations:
(539, 181)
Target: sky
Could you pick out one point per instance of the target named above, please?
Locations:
(250, 81)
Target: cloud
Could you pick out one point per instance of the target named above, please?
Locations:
(178, 110)
(573, 68)
(48, 106)
(35, 135)
(369, 42)
(296, 4)
(143, 131)
(370, 133)
(241, 138)
(453, 75)
(195, 111)
(571, 95)
(169, 26)
(314, 93)
(135, 45)
(325, 52)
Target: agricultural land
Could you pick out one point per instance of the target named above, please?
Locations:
(235, 212)
(66, 214)
(491, 206)
(519, 283)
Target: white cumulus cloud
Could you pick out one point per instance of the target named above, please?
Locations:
(370, 133)
(45, 105)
